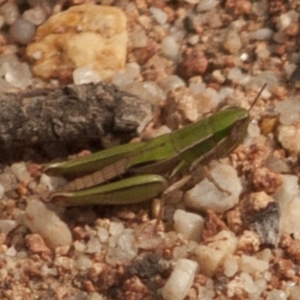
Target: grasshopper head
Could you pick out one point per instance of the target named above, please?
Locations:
(230, 128)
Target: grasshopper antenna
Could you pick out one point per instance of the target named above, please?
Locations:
(258, 95)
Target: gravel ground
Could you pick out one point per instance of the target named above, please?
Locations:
(231, 234)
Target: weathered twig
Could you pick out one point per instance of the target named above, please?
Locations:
(69, 116)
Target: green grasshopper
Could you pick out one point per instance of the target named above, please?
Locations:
(145, 166)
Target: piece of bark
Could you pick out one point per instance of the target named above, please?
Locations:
(73, 117)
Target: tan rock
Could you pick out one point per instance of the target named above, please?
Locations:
(211, 255)
(84, 35)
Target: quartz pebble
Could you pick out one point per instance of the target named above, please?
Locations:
(289, 137)
(205, 5)
(181, 280)
(148, 91)
(277, 295)
(2, 191)
(288, 197)
(20, 170)
(241, 284)
(122, 79)
(232, 42)
(230, 266)
(262, 34)
(252, 265)
(85, 74)
(206, 195)
(16, 73)
(171, 82)
(211, 255)
(285, 20)
(289, 110)
(237, 76)
(123, 247)
(159, 15)
(189, 225)
(43, 221)
(84, 35)
(83, 263)
(169, 47)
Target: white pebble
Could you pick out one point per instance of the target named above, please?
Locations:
(194, 39)
(148, 91)
(131, 72)
(253, 130)
(11, 252)
(232, 42)
(179, 252)
(139, 38)
(180, 281)
(22, 31)
(79, 246)
(208, 100)
(123, 249)
(211, 255)
(264, 255)
(276, 295)
(189, 225)
(230, 266)
(247, 283)
(262, 34)
(83, 263)
(85, 74)
(17, 74)
(289, 110)
(218, 76)
(261, 286)
(236, 76)
(252, 265)
(2, 191)
(268, 77)
(171, 82)
(244, 57)
(170, 47)
(102, 234)
(197, 87)
(121, 79)
(133, 69)
(93, 245)
(206, 195)
(288, 197)
(225, 93)
(115, 228)
(289, 137)
(51, 182)
(45, 222)
(159, 15)
(285, 20)
(20, 171)
(205, 5)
